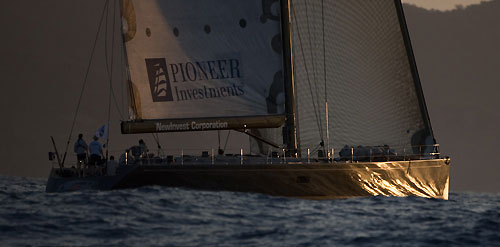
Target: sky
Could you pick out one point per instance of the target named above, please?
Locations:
(442, 5)
(49, 43)
(457, 57)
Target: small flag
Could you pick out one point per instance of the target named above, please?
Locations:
(102, 132)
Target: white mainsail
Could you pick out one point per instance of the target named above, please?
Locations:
(203, 59)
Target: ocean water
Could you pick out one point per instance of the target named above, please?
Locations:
(158, 216)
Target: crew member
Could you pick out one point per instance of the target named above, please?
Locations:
(81, 150)
(144, 148)
(95, 149)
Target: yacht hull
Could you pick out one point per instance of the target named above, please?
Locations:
(423, 178)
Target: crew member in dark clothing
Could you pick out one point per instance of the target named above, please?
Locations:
(81, 150)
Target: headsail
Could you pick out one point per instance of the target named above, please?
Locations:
(365, 72)
(217, 63)
(355, 55)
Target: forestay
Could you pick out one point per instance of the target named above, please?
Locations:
(202, 65)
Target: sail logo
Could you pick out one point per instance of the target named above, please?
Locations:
(159, 81)
(195, 80)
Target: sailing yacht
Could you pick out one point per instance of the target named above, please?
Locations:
(328, 92)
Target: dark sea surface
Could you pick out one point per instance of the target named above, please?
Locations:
(158, 216)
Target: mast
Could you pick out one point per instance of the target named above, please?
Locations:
(290, 129)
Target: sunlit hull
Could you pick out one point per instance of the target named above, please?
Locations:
(423, 178)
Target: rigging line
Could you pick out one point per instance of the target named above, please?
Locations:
(307, 73)
(315, 150)
(112, 56)
(310, 48)
(106, 24)
(316, 109)
(313, 66)
(111, 75)
(122, 65)
(106, 39)
(157, 140)
(85, 81)
(324, 76)
(218, 136)
(113, 96)
(113, 35)
(227, 138)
